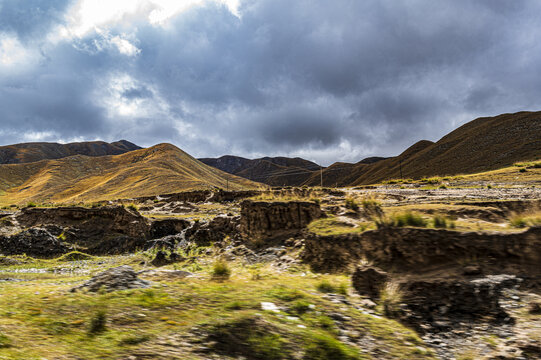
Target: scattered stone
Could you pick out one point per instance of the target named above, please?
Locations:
(268, 306)
(118, 278)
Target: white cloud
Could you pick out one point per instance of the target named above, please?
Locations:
(13, 55)
(124, 46)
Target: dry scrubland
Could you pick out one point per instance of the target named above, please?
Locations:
(268, 274)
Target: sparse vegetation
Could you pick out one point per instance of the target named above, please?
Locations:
(440, 222)
(391, 298)
(351, 204)
(402, 219)
(525, 220)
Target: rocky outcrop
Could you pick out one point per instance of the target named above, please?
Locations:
(436, 303)
(36, 242)
(415, 248)
(118, 278)
(89, 222)
(369, 280)
(262, 220)
(216, 230)
(166, 227)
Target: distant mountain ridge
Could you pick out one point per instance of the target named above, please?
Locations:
(160, 169)
(36, 151)
(277, 171)
(484, 144)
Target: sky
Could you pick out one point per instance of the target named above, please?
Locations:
(328, 81)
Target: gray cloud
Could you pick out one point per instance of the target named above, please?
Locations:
(331, 81)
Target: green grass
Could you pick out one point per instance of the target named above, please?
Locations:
(407, 218)
(332, 226)
(41, 318)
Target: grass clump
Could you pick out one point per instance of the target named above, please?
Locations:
(326, 287)
(299, 307)
(441, 222)
(220, 270)
(5, 341)
(391, 298)
(132, 207)
(402, 219)
(351, 204)
(286, 294)
(31, 204)
(98, 322)
(525, 220)
(323, 347)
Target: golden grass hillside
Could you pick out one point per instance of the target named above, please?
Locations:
(160, 169)
(37, 151)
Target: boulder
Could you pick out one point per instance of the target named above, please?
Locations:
(118, 278)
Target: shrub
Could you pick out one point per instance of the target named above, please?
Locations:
(443, 186)
(220, 270)
(351, 204)
(286, 294)
(98, 323)
(523, 170)
(31, 204)
(133, 207)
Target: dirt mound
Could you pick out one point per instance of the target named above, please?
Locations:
(36, 242)
(270, 220)
(118, 278)
(412, 249)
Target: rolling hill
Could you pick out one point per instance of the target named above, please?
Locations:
(160, 169)
(31, 152)
(483, 144)
(275, 171)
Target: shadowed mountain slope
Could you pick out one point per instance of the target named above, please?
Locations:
(277, 171)
(31, 152)
(483, 144)
(160, 169)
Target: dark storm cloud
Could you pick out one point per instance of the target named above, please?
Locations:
(332, 81)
